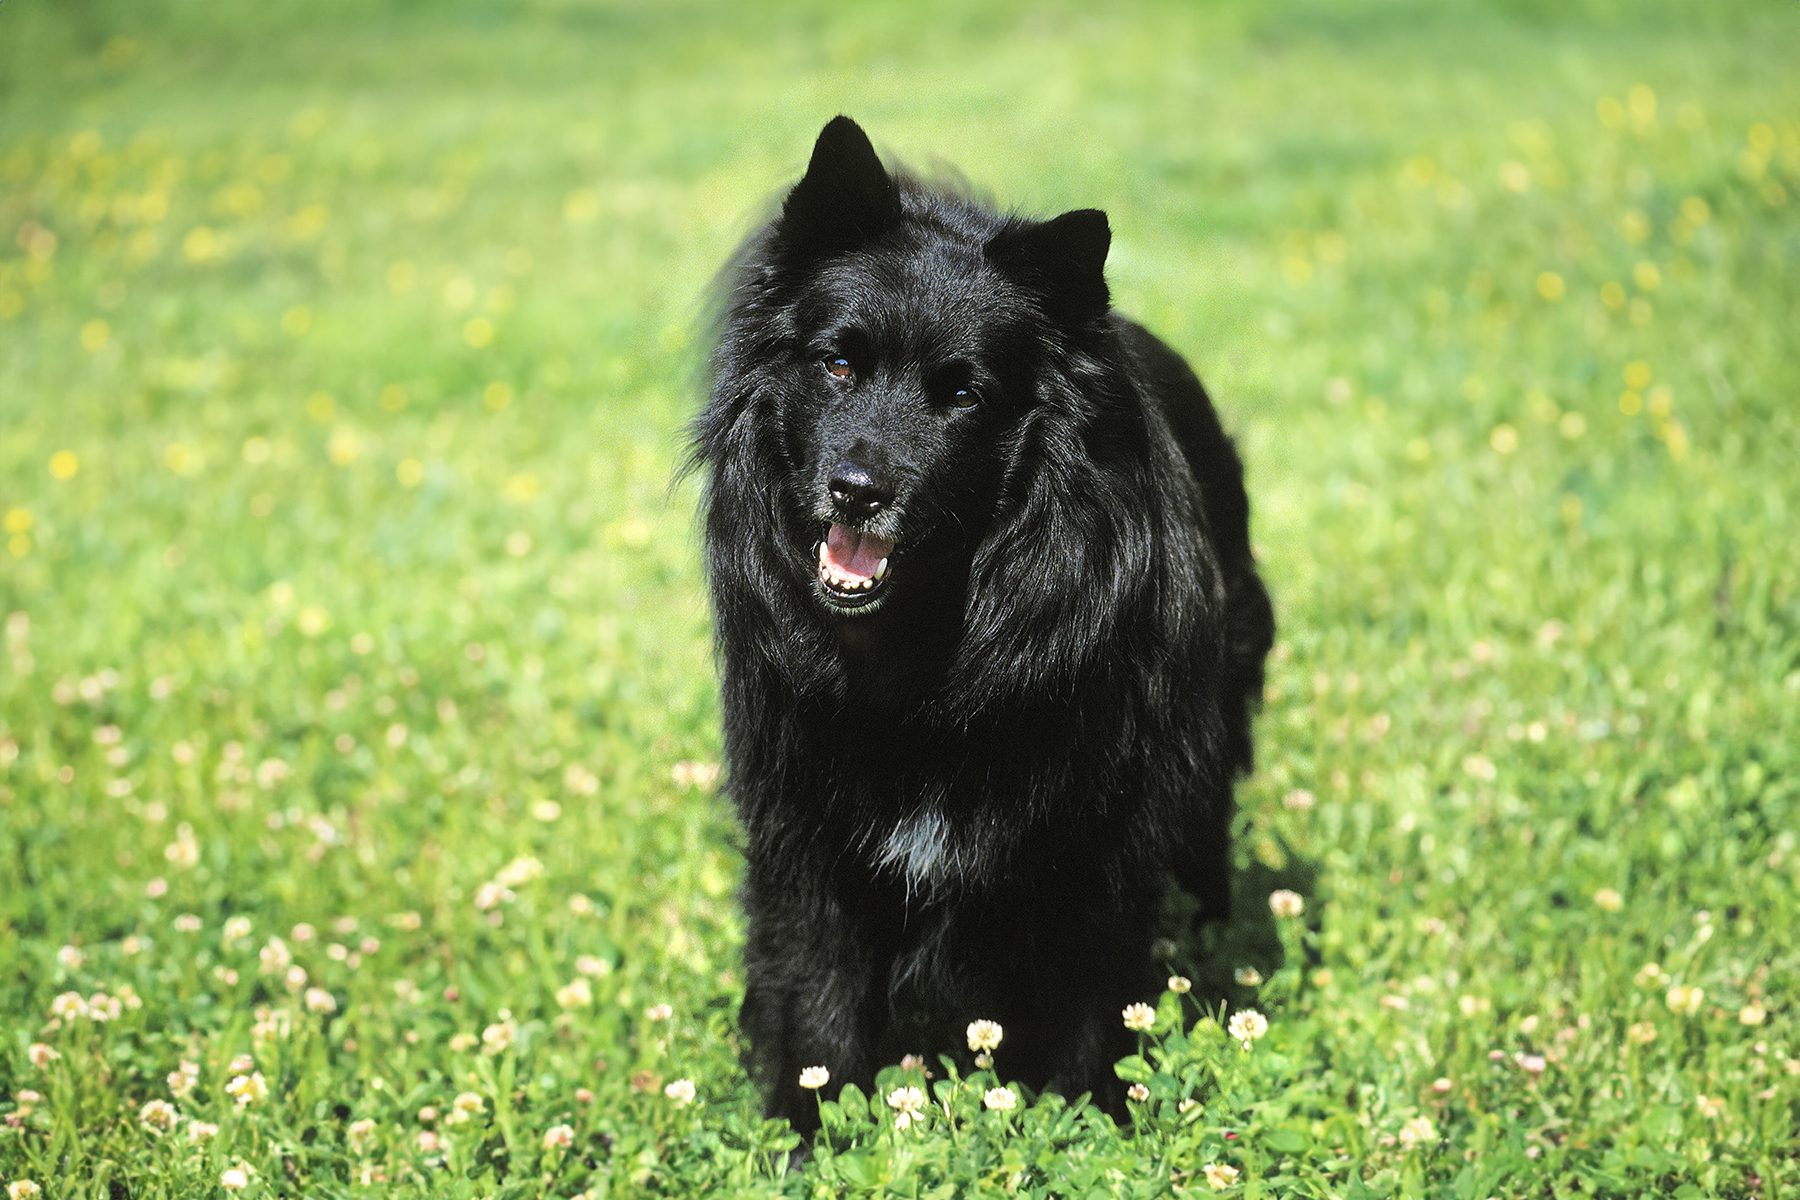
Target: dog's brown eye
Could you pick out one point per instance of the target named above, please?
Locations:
(838, 367)
(965, 397)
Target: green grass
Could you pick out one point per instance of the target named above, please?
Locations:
(344, 352)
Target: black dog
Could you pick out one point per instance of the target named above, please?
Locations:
(988, 623)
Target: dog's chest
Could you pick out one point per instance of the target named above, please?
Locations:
(920, 850)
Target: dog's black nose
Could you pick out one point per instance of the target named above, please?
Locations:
(858, 494)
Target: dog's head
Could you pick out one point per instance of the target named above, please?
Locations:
(904, 339)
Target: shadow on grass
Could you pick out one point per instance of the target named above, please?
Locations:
(1212, 953)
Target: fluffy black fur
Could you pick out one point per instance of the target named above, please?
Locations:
(963, 790)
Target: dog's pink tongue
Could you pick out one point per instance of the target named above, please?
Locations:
(855, 554)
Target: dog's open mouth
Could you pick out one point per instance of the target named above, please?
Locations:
(853, 566)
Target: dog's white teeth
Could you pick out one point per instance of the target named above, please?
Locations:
(841, 581)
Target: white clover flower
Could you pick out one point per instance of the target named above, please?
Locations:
(814, 1078)
(492, 895)
(243, 1064)
(468, 1103)
(1640, 1033)
(184, 851)
(681, 1091)
(102, 1007)
(319, 1000)
(235, 1179)
(1220, 1175)
(696, 775)
(158, 1116)
(1181, 985)
(200, 1131)
(428, 1141)
(1247, 1025)
(70, 957)
(1418, 1132)
(1139, 1017)
(589, 964)
(1284, 903)
(275, 956)
(1138, 1092)
(183, 1079)
(1685, 1000)
(1752, 1014)
(1248, 977)
(559, 1137)
(248, 1089)
(499, 1037)
(984, 1036)
(360, 1133)
(906, 1100)
(235, 929)
(577, 993)
(68, 1006)
(519, 871)
(1000, 1099)
(186, 923)
(1609, 900)
(272, 1024)
(658, 1012)
(23, 1189)
(42, 1056)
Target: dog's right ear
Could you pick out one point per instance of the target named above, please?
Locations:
(845, 199)
(1063, 260)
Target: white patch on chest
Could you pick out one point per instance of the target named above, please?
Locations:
(919, 848)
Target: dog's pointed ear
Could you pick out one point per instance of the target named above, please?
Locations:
(845, 199)
(1062, 260)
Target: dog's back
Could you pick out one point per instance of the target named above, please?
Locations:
(1249, 617)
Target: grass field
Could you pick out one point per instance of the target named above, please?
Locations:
(356, 708)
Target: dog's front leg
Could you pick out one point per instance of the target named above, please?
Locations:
(809, 996)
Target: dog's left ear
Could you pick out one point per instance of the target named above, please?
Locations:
(846, 197)
(1063, 260)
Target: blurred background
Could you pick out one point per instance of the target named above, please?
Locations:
(345, 350)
